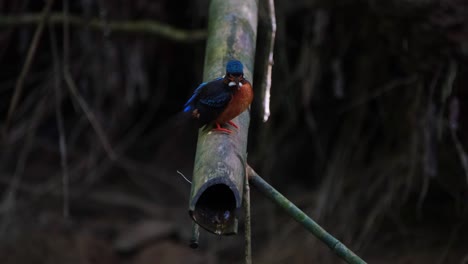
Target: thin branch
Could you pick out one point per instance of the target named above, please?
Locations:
(60, 125)
(454, 115)
(9, 199)
(446, 92)
(449, 243)
(90, 116)
(292, 210)
(51, 185)
(74, 90)
(183, 176)
(464, 259)
(248, 228)
(396, 83)
(461, 153)
(109, 198)
(266, 84)
(194, 240)
(41, 19)
(141, 26)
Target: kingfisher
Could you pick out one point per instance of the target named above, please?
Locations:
(217, 102)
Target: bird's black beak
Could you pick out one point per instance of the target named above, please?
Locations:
(237, 80)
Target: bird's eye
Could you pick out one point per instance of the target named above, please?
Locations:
(232, 75)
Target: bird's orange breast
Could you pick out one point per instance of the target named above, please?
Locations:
(240, 101)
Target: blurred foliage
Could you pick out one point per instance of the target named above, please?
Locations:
(368, 134)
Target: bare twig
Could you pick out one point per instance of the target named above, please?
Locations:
(60, 125)
(109, 198)
(401, 82)
(446, 92)
(454, 112)
(142, 26)
(464, 259)
(248, 229)
(41, 19)
(430, 164)
(76, 95)
(89, 115)
(454, 235)
(51, 186)
(9, 198)
(183, 176)
(120, 147)
(266, 84)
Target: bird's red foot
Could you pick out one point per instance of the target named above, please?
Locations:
(232, 124)
(221, 129)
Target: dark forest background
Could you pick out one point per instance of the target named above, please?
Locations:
(368, 133)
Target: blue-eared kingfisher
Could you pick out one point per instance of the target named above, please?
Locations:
(219, 101)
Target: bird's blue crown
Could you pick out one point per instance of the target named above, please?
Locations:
(234, 66)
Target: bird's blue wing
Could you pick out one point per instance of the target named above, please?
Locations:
(216, 101)
(189, 104)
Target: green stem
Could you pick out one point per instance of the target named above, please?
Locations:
(41, 21)
(334, 244)
(248, 227)
(195, 235)
(142, 26)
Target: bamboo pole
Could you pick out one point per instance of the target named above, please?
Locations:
(220, 160)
